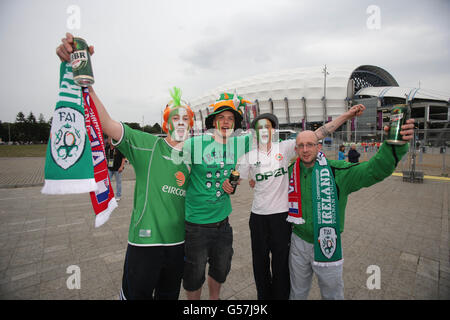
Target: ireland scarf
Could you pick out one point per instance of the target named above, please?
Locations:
(75, 160)
(327, 237)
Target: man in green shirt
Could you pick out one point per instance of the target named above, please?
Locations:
(209, 236)
(154, 259)
(323, 186)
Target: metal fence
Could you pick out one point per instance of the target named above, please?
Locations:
(431, 160)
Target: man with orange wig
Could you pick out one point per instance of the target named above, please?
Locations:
(154, 259)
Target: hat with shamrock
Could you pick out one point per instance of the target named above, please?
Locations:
(227, 102)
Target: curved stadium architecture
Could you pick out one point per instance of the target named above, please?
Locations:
(305, 98)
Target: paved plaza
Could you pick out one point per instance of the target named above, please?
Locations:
(400, 229)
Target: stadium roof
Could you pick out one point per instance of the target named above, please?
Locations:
(303, 89)
(404, 92)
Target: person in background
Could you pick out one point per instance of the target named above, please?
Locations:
(341, 153)
(116, 164)
(353, 155)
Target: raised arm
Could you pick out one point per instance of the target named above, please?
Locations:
(111, 127)
(330, 127)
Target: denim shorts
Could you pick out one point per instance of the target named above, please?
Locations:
(212, 245)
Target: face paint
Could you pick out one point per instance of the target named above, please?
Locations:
(264, 131)
(178, 124)
(225, 123)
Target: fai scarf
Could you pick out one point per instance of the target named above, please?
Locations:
(103, 200)
(68, 164)
(75, 160)
(327, 236)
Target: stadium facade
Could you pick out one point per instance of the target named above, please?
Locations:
(305, 98)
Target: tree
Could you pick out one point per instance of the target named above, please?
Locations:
(20, 126)
(148, 128)
(134, 125)
(157, 128)
(43, 129)
(20, 118)
(41, 118)
(31, 118)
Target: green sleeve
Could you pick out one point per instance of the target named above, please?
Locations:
(367, 173)
(134, 140)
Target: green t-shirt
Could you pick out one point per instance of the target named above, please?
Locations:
(211, 164)
(160, 190)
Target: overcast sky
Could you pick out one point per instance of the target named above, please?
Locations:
(143, 48)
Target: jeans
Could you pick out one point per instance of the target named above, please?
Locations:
(118, 181)
(301, 267)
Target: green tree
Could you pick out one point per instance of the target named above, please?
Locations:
(18, 132)
(31, 118)
(31, 128)
(43, 129)
(134, 125)
(157, 128)
(20, 118)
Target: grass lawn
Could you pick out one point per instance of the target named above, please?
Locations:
(32, 150)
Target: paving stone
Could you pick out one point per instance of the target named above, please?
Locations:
(40, 236)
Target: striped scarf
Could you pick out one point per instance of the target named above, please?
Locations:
(75, 160)
(327, 244)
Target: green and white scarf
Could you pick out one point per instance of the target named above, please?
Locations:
(327, 236)
(68, 166)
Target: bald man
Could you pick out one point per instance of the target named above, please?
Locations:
(318, 193)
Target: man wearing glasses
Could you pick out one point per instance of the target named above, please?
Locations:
(318, 193)
(267, 168)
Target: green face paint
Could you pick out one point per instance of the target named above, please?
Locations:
(263, 131)
(178, 124)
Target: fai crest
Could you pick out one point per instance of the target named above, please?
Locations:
(67, 137)
(327, 241)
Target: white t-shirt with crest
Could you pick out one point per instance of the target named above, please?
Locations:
(270, 172)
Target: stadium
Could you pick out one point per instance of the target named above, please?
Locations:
(306, 98)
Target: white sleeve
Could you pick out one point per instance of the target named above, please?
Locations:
(243, 166)
(289, 147)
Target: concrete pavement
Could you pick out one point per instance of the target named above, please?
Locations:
(397, 228)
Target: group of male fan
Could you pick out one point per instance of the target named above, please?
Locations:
(179, 223)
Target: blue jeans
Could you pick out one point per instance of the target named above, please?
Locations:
(118, 181)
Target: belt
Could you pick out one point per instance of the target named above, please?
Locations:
(209, 225)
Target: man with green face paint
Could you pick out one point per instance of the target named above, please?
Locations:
(209, 236)
(267, 167)
(154, 259)
(179, 120)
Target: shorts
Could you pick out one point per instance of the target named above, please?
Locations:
(205, 244)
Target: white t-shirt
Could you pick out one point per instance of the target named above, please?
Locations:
(270, 172)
